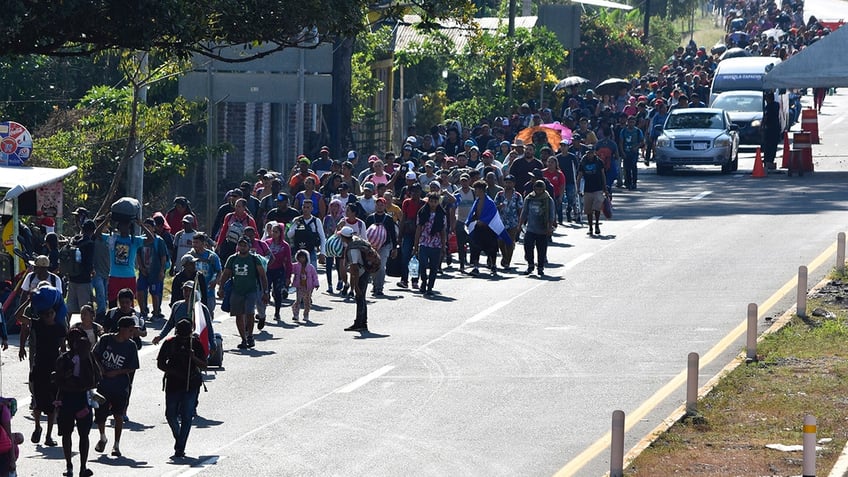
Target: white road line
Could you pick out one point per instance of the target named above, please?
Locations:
(488, 311)
(364, 380)
(646, 223)
(702, 195)
(573, 263)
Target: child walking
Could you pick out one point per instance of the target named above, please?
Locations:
(305, 281)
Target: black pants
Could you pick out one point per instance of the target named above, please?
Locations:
(361, 305)
(462, 244)
(770, 142)
(540, 242)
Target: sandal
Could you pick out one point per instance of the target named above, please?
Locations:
(101, 445)
(36, 435)
(116, 452)
(49, 442)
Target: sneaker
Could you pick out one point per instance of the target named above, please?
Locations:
(414, 283)
(475, 271)
(242, 345)
(345, 289)
(377, 293)
(541, 273)
(295, 317)
(116, 452)
(101, 445)
(402, 284)
(250, 342)
(178, 455)
(49, 442)
(339, 285)
(305, 317)
(529, 271)
(597, 230)
(356, 327)
(590, 231)
(260, 324)
(329, 290)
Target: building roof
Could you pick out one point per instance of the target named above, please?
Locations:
(19, 179)
(407, 35)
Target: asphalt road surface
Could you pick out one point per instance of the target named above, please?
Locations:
(505, 377)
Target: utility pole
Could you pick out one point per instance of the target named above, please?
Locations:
(647, 22)
(135, 171)
(510, 34)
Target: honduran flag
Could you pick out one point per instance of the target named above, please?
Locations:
(199, 319)
(491, 217)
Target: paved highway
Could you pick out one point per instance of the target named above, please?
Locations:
(515, 376)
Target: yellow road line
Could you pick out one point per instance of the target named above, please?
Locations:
(664, 392)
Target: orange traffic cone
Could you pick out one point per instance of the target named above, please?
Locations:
(786, 153)
(759, 170)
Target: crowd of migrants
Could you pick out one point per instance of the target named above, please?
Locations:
(454, 194)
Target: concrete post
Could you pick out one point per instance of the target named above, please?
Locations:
(617, 445)
(692, 385)
(751, 341)
(840, 252)
(809, 466)
(801, 309)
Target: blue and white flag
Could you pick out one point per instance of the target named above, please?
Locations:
(490, 217)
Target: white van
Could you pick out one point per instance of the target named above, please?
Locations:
(746, 74)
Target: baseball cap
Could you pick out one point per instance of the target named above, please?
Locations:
(469, 143)
(518, 143)
(187, 258)
(80, 211)
(281, 197)
(302, 158)
(369, 186)
(188, 219)
(188, 284)
(411, 175)
(351, 155)
(346, 231)
(41, 261)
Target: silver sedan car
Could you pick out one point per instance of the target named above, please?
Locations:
(697, 136)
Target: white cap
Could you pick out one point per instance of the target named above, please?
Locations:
(411, 139)
(351, 154)
(346, 231)
(411, 175)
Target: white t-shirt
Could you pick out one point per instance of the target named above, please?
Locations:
(31, 281)
(369, 205)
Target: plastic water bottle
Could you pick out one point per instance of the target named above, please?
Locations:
(78, 256)
(413, 267)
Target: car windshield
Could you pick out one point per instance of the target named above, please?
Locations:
(745, 104)
(695, 121)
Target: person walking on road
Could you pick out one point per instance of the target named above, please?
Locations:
(591, 170)
(245, 269)
(538, 214)
(181, 358)
(77, 373)
(117, 356)
(431, 240)
(359, 278)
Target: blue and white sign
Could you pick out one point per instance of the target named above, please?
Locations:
(15, 144)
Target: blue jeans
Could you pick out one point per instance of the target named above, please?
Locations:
(428, 265)
(179, 411)
(99, 284)
(630, 169)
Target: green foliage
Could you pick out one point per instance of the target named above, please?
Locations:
(94, 136)
(607, 50)
(33, 86)
(180, 27)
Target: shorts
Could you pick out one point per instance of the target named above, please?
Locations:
(43, 390)
(593, 201)
(243, 304)
(115, 405)
(117, 284)
(74, 412)
(146, 285)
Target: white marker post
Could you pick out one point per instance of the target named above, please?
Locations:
(809, 467)
(617, 445)
(692, 385)
(801, 308)
(751, 339)
(840, 252)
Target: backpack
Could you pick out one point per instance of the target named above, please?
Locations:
(70, 260)
(304, 235)
(369, 255)
(235, 231)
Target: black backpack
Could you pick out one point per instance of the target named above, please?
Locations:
(304, 236)
(70, 260)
